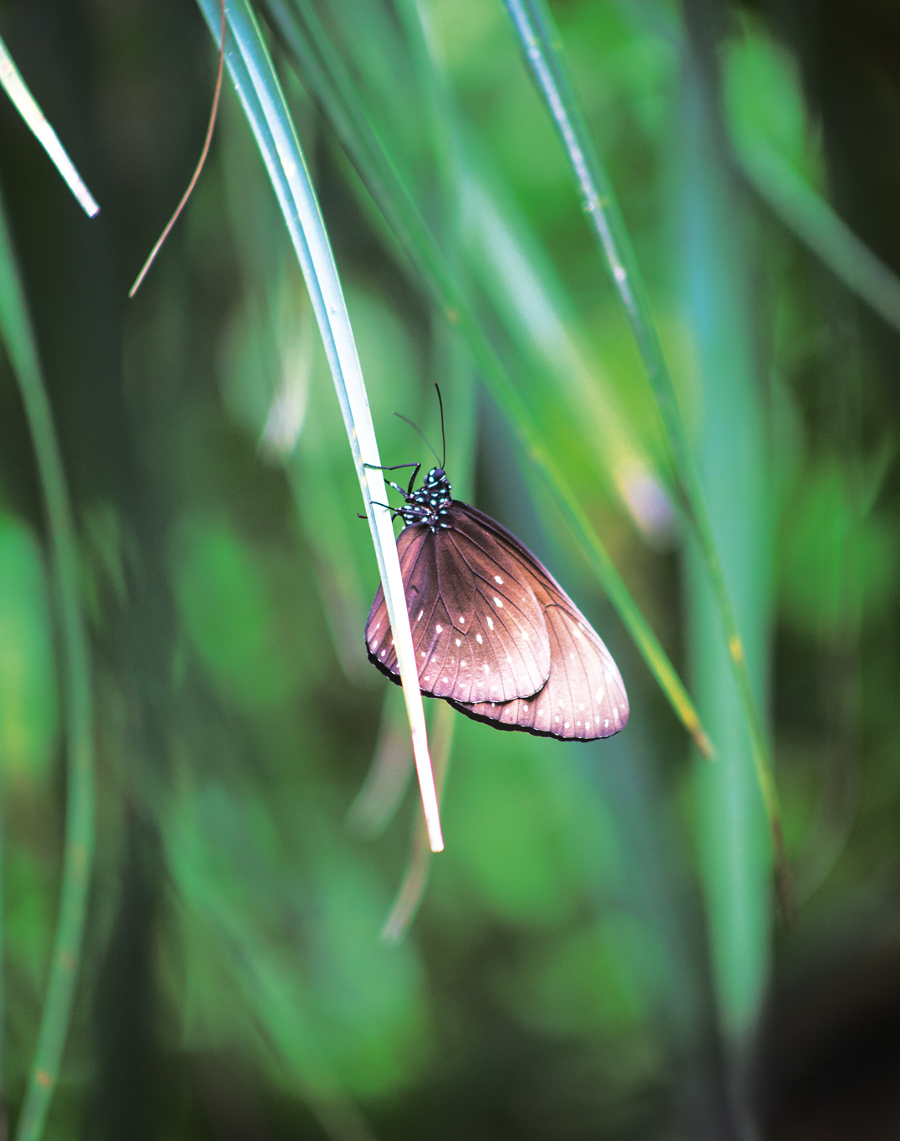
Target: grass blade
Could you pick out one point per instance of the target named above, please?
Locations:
(257, 85)
(26, 105)
(534, 26)
(76, 671)
(418, 864)
(734, 858)
(322, 69)
(818, 225)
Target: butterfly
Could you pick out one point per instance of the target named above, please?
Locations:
(494, 633)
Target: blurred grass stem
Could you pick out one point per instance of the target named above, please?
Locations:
(819, 226)
(415, 878)
(534, 26)
(76, 671)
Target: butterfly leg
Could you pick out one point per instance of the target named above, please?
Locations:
(398, 467)
(393, 510)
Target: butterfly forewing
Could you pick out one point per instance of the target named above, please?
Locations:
(478, 631)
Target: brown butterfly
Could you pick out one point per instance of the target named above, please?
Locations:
(494, 633)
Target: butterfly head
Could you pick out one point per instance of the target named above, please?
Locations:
(431, 503)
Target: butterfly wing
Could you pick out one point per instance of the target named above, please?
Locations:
(584, 696)
(478, 629)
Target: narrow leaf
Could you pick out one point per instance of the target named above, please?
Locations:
(260, 93)
(18, 336)
(534, 26)
(26, 105)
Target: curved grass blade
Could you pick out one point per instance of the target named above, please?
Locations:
(76, 670)
(27, 106)
(418, 864)
(818, 225)
(266, 980)
(385, 784)
(263, 101)
(323, 70)
(534, 26)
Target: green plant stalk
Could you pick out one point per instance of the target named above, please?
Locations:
(734, 858)
(337, 1115)
(263, 978)
(263, 101)
(418, 862)
(76, 671)
(817, 224)
(323, 71)
(534, 26)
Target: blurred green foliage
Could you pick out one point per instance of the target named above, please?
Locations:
(594, 950)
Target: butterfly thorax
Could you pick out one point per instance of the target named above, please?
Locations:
(431, 503)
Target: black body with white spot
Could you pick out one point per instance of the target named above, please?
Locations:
(494, 633)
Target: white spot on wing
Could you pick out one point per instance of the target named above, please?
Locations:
(439, 629)
(600, 693)
(606, 723)
(498, 602)
(421, 612)
(490, 623)
(458, 642)
(498, 579)
(479, 639)
(462, 619)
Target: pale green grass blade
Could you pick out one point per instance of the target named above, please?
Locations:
(269, 981)
(385, 784)
(777, 145)
(322, 69)
(523, 287)
(418, 864)
(25, 104)
(732, 449)
(534, 26)
(817, 224)
(76, 673)
(257, 85)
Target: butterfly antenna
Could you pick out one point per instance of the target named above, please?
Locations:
(443, 437)
(421, 433)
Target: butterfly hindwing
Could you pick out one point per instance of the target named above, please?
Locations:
(584, 697)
